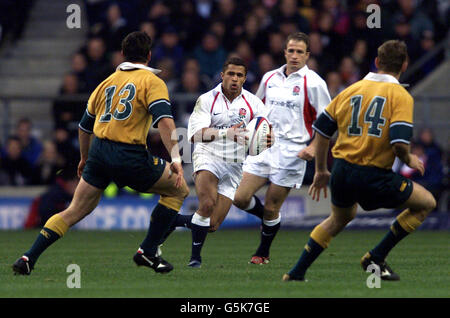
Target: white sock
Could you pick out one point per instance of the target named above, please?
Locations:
(200, 220)
(251, 205)
(272, 222)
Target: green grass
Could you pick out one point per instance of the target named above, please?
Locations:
(107, 270)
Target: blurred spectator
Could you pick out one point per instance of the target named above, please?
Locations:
(402, 31)
(67, 147)
(31, 146)
(159, 14)
(434, 172)
(276, 48)
(334, 84)
(227, 12)
(210, 55)
(331, 41)
(79, 68)
(98, 65)
(340, 16)
(48, 164)
(67, 110)
(169, 47)
(426, 45)
(326, 61)
(13, 17)
(149, 28)
(54, 200)
(189, 23)
(252, 34)
(348, 71)
(359, 56)
(167, 74)
(418, 22)
(115, 29)
(191, 64)
(117, 58)
(313, 65)
(288, 11)
(16, 168)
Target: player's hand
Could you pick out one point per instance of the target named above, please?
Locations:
(238, 134)
(177, 168)
(416, 163)
(81, 165)
(307, 153)
(270, 137)
(320, 183)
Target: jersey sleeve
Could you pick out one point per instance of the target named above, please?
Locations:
(158, 101)
(401, 125)
(261, 108)
(88, 119)
(320, 97)
(261, 92)
(326, 123)
(200, 117)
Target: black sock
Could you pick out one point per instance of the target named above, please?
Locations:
(258, 209)
(45, 238)
(310, 253)
(267, 235)
(198, 238)
(395, 235)
(160, 222)
(183, 220)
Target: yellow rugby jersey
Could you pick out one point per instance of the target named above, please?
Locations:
(370, 116)
(125, 104)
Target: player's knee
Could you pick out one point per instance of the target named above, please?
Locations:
(271, 212)
(207, 205)
(241, 201)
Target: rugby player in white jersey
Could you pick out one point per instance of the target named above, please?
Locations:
(217, 129)
(294, 95)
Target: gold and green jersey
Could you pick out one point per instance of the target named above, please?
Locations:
(124, 105)
(370, 116)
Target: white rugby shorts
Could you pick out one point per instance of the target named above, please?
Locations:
(279, 164)
(229, 174)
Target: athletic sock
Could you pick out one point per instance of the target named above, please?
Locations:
(268, 231)
(53, 229)
(255, 207)
(199, 227)
(161, 220)
(319, 240)
(403, 225)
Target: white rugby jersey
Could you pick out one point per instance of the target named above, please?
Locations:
(214, 110)
(294, 102)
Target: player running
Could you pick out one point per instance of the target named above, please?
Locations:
(293, 94)
(119, 114)
(217, 129)
(374, 120)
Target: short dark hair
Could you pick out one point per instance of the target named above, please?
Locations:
(234, 60)
(391, 55)
(298, 37)
(136, 46)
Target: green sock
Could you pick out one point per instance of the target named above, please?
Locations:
(395, 235)
(310, 253)
(45, 238)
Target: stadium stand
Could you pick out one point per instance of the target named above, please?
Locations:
(47, 70)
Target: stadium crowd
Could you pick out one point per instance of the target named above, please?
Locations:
(192, 39)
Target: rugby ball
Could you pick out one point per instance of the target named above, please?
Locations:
(258, 129)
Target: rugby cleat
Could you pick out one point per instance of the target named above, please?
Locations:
(287, 278)
(195, 263)
(22, 266)
(157, 263)
(386, 273)
(259, 260)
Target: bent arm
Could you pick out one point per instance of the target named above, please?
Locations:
(167, 130)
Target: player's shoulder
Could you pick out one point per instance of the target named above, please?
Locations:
(251, 98)
(314, 79)
(269, 75)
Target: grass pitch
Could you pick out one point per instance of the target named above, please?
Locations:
(107, 270)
